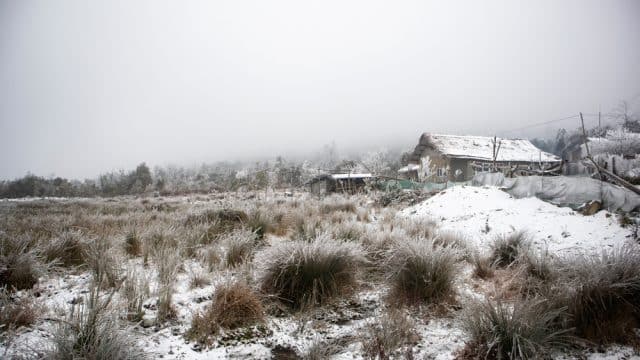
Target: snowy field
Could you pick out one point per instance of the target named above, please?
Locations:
(477, 214)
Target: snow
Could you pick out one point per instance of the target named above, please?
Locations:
(481, 213)
(481, 148)
(350, 176)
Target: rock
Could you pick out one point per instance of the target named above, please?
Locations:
(147, 322)
(590, 208)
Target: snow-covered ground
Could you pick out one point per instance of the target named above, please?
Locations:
(480, 213)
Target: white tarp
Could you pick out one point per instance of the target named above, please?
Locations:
(563, 190)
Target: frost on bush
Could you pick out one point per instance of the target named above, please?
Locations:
(302, 273)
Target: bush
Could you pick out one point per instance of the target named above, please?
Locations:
(537, 272)
(420, 271)
(506, 248)
(167, 264)
(92, 331)
(335, 204)
(135, 291)
(16, 312)
(602, 294)
(67, 249)
(102, 261)
(483, 268)
(238, 247)
(392, 331)
(524, 330)
(310, 273)
(133, 243)
(234, 305)
(20, 263)
(423, 228)
(259, 223)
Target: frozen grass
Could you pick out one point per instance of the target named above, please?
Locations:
(419, 271)
(16, 312)
(238, 247)
(384, 338)
(506, 248)
(234, 305)
(68, 249)
(167, 264)
(602, 294)
(133, 243)
(103, 262)
(419, 228)
(524, 330)
(20, 263)
(537, 272)
(301, 273)
(92, 331)
(135, 291)
(483, 267)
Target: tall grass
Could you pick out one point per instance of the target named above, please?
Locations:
(301, 273)
(526, 329)
(602, 294)
(420, 271)
(234, 305)
(92, 331)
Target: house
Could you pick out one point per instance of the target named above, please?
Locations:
(328, 183)
(441, 158)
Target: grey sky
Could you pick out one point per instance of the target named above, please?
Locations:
(88, 86)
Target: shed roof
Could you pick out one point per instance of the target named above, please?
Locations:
(481, 148)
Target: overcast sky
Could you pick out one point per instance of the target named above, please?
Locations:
(92, 86)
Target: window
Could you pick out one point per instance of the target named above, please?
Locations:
(440, 172)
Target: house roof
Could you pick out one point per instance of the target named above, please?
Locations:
(481, 148)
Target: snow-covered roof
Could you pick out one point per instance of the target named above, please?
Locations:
(481, 148)
(350, 176)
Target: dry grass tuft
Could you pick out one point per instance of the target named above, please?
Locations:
(301, 273)
(234, 305)
(133, 243)
(602, 294)
(238, 247)
(483, 268)
(67, 249)
(421, 272)
(524, 330)
(507, 248)
(92, 331)
(16, 312)
(386, 336)
(20, 263)
(135, 290)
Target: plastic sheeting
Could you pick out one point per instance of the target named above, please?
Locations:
(563, 190)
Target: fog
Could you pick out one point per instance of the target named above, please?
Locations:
(88, 86)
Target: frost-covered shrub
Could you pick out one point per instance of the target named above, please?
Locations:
(92, 331)
(537, 272)
(20, 263)
(133, 243)
(67, 249)
(602, 294)
(381, 339)
(483, 267)
(506, 248)
(238, 247)
(16, 312)
(234, 305)
(420, 271)
(302, 273)
(525, 329)
(424, 228)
